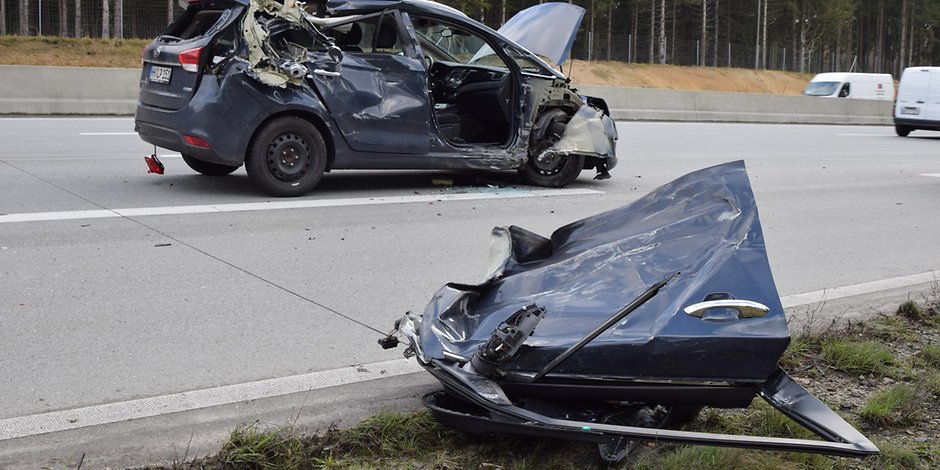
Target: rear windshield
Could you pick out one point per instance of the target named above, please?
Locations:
(821, 88)
(192, 24)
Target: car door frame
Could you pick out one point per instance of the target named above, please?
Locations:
(358, 101)
(442, 145)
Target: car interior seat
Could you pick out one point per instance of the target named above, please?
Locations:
(349, 41)
(387, 37)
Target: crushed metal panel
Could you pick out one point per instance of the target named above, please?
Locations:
(593, 322)
(270, 64)
(704, 225)
(380, 102)
(589, 133)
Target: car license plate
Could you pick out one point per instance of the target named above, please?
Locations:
(907, 110)
(160, 74)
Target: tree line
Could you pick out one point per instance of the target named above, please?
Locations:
(801, 35)
(839, 35)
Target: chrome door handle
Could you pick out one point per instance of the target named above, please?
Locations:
(745, 308)
(325, 73)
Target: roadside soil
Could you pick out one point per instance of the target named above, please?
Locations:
(619, 74)
(87, 52)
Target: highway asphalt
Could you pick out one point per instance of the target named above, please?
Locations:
(99, 310)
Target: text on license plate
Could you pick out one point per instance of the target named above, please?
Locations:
(160, 74)
(907, 110)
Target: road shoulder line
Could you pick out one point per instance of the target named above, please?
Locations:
(30, 425)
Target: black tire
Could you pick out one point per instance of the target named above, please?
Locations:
(207, 168)
(680, 415)
(902, 131)
(553, 171)
(287, 157)
(617, 448)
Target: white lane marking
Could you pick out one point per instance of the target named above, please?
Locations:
(107, 133)
(932, 175)
(865, 135)
(295, 204)
(31, 425)
(67, 118)
(64, 159)
(926, 158)
(808, 298)
(42, 423)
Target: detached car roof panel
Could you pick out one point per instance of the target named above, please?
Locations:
(704, 226)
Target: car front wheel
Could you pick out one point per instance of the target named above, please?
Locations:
(207, 168)
(551, 169)
(287, 157)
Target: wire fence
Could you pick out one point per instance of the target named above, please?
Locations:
(119, 19)
(626, 48)
(144, 19)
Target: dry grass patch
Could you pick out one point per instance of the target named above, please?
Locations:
(71, 52)
(620, 74)
(88, 52)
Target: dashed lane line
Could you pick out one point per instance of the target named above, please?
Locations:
(292, 204)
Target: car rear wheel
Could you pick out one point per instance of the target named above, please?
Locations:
(287, 157)
(902, 131)
(551, 170)
(208, 169)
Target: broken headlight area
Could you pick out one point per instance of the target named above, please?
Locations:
(279, 35)
(619, 327)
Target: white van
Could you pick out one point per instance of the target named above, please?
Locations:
(918, 103)
(862, 86)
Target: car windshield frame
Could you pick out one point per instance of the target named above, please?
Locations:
(464, 31)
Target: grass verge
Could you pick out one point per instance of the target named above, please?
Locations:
(90, 52)
(888, 389)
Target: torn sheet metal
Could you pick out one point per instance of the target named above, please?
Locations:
(278, 35)
(704, 225)
(661, 306)
(589, 133)
(262, 58)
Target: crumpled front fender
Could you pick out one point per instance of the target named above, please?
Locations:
(590, 133)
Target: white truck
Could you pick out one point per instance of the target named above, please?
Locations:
(918, 102)
(862, 86)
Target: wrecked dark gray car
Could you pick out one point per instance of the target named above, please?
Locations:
(368, 84)
(619, 327)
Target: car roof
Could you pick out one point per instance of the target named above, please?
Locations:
(348, 7)
(363, 6)
(339, 8)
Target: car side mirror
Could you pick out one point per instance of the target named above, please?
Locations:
(844, 92)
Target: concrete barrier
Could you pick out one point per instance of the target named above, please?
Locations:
(677, 105)
(97, 91)
(67, 90)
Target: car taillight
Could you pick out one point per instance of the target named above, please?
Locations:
(190, 59)
(196, 141)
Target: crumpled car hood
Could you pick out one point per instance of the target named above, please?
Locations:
(704, 226)
(547, 30)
